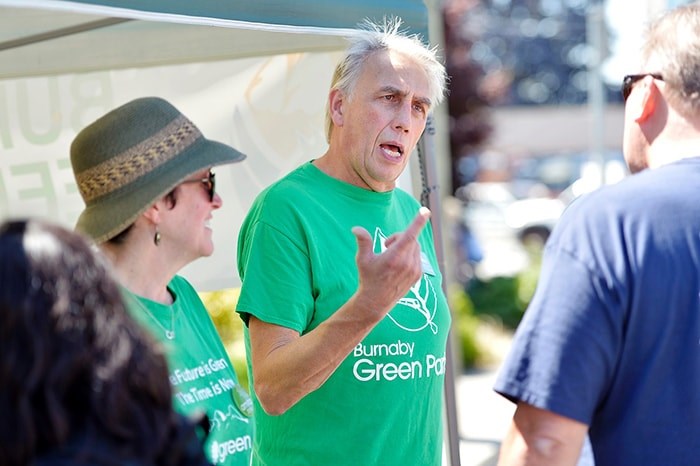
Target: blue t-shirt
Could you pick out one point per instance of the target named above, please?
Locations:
(612, 335)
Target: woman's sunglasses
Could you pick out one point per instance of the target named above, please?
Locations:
(209, 182)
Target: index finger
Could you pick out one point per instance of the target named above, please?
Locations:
(418, 223)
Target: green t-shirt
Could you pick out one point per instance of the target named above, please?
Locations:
(296, 258)
(201, 373)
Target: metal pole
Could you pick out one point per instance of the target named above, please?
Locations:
(595, 36)
(430, 197)
(61, 32)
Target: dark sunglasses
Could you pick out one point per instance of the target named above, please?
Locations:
(629, 80)
(209, 182)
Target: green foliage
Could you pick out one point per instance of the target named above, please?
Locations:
(497, 297)
(486, 312)
(465, 326)
(527, 279)
(506, 298)
(221, 306)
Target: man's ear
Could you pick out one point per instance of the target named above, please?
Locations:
(336, 101)
(650, 100)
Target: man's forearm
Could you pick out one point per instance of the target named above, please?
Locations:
(287, 366)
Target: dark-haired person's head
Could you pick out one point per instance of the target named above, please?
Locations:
(79, 377)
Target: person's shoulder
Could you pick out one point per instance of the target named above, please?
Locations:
(287, 189)
(611, 209)
(635, 193)
(589, 213)
(180, 284)
(95, 448)
(298, 178)
(92, 448)
(285, 198)
(606, 199)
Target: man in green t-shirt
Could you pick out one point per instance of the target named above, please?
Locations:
(346, 322)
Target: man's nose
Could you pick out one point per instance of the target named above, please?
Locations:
(403, 117)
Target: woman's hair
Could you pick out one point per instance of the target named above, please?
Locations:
(387, 36)
(72, 361)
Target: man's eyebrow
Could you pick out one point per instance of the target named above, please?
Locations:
(425, 101)
(394, 90)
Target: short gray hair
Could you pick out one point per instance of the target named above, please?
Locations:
(387, 36)
(672, 48)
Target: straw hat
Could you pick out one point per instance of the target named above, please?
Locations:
(134, 155)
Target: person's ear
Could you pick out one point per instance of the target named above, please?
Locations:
(153, 213)
(336, 106)
(650, 100)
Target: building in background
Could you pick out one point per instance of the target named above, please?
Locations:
(537, 80)
(525, 74)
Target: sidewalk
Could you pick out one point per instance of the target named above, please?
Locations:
(483, 417)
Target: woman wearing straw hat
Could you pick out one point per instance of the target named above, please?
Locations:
(143, 171)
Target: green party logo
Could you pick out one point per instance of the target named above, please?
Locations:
(415, 311)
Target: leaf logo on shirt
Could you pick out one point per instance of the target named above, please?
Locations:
(415, 311)
(221, 420)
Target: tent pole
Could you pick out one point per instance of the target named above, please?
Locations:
(62, 32)
(430, 197)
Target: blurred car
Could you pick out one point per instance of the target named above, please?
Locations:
(492, 210)
(484, 214)
(532, 219)
(551, 174)
(506, 226)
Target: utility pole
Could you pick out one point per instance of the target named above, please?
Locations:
(596, 39)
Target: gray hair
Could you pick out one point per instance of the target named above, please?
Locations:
(672, 48)
(387, 36)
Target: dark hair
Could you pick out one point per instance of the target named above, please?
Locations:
(73, 363)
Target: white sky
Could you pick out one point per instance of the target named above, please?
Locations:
(627, 20)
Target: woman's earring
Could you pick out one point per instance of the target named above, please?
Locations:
(156, 238)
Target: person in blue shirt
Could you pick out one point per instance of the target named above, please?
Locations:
(609, 344)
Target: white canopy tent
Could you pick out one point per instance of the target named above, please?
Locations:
(79, 35)
(250, 74)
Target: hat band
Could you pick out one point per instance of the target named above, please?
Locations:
(138, 160)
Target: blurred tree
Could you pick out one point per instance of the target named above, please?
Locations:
(220, 305)
(540, 44)
(511, 52)
(471, 90)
